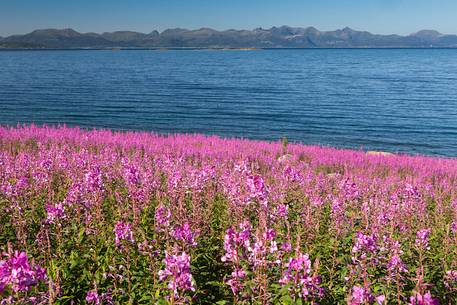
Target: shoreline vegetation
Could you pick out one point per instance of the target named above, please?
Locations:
(103, 217)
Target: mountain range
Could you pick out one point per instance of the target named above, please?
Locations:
(275, 37)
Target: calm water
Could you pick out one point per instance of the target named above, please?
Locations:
(394, 100)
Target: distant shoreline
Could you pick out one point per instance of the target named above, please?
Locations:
(224, 49)
(207, 38)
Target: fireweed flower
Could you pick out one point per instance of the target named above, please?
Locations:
(75, 193)
(230, 246)
(244, 233)
(247, 252)
(360, 296)
(287, 247)
(132, 175)
(273, 247)
(257, 252)
(55, 213)
(236, 280)
(184, 233)
(4, 275)
(123, 232)
(450, 280)
(17, 273)
(92, 297)
(426, 299)
(411, 192)
(422, 239)
(364, 245)
(94, 180)
(242, 167)
(380, 299)
(162, 217)
(396, 265)
(298, 274)
(147, 248)
(269, 234)
(281, 211)
(262, 245)
(365, 255)
(239, 248)
(235, 241)
(256, 186)
(7, 301)
(177, 273)
(291, 174)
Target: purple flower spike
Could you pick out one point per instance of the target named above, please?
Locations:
(123, 232)
(177, 273)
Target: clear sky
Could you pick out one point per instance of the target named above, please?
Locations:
(377, 16)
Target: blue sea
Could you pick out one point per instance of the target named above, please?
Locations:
(397, 100)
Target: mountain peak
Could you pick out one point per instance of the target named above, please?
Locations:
(64, 32)
(348, 30)
(174, 31)
(206, 29)
(154, 33)
(121, 32)
(122, 36)
(427, 34)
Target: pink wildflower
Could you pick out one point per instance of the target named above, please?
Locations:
(419, 299)
(16, 272)
(162, 217)
(123, 232)
(55, 213)
(184, 233)
(92, 297)
(298, 274)
(177, 272)
(422, 239)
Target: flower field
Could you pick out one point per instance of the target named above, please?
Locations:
(99, 217)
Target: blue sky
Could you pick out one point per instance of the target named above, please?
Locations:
(378, 16)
